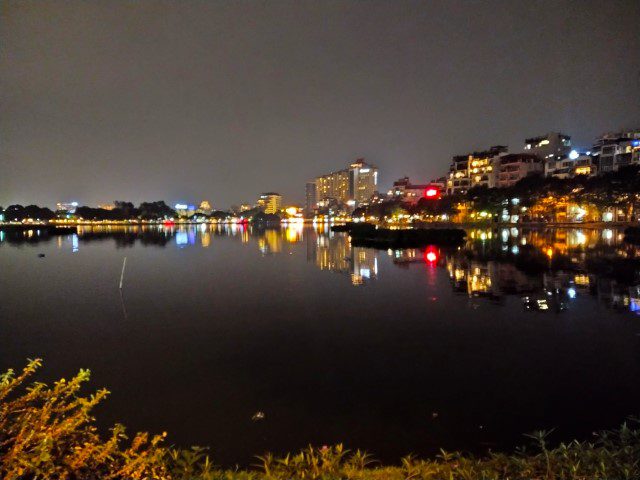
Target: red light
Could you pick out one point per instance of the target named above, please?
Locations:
(431, 193)
(431, 255)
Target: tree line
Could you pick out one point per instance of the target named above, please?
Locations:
(150, 211)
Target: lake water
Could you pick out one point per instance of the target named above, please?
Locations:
(389, 351)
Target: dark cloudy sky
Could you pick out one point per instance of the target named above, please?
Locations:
(222, 100)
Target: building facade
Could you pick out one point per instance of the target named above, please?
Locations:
(514, 167)
(548, 146)
(569, 165)
(363, 181)
(270, 202)
(410, 193)
(474, 169)
(351, 186)
(310, 198)
(616, 150)
(69, 207)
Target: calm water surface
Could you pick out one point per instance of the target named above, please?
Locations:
(390, 351)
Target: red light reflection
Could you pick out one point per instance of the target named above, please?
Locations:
(431, 255)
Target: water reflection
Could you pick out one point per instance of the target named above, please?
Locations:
(546, 268)
(333, 252)
(518, 329)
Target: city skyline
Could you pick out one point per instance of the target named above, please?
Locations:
(264, 98)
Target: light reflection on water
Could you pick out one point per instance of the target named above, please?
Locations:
(474, 269)
(517, 329)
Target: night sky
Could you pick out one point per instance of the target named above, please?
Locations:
(223, 100)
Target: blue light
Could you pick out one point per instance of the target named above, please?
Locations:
(571, 292)
(636, 143)
(182, 238)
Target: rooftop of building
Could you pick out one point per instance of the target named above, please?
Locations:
(516, 157)
(490, 152)
(549, 135)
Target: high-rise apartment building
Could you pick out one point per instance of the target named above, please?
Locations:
(271, 202)
(311, 201)
(333, 186)
(363, 181)
(351, 186)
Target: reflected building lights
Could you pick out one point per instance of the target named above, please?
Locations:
(484, 267)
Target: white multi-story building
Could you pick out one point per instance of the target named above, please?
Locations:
(474, 169)
(572, 164)
(615, 150)
(516, 166)
(551, 147)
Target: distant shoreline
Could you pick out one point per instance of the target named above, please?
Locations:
(592, 225)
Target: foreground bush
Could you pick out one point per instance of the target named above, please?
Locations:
(47, 432)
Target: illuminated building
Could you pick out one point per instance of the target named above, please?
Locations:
(570, 164)
(363, 181)
(548, 146)
(184, 210)
(107, 206)
(205, 208)
(411, 194)
(551, 148)
(270, 202)
(351, 186)
(514, 167)
(615, 150)
(334, 186)
(311, 201)
(584, 165)
(67, 207)
(473, 169)
(245, 207)
(458, 178)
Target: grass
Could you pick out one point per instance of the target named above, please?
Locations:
(48, 432)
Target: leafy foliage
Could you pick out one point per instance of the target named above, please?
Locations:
(48, 432)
